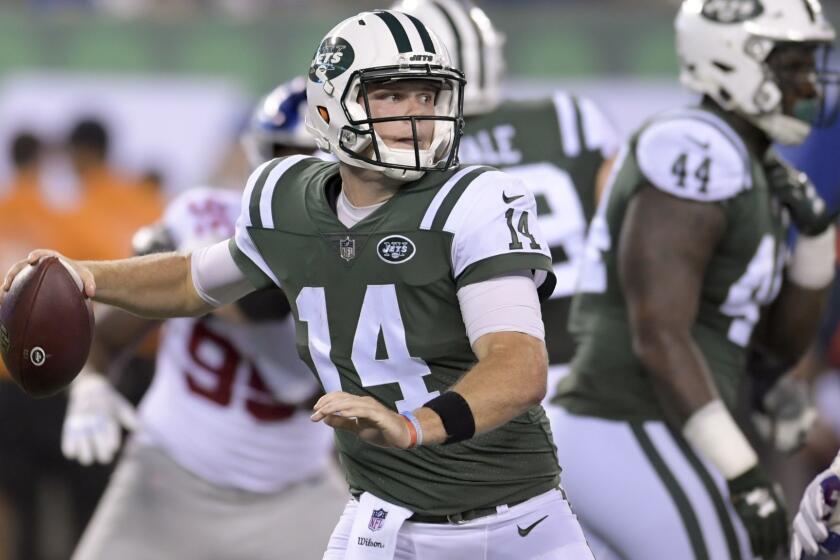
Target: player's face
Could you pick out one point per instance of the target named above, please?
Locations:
(402, 99)
(795, 67)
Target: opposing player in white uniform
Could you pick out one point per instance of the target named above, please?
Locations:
(224, 462)
(814, 528)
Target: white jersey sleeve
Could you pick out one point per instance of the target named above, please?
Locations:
(694, 158)
(256, 206)
(495, 232)
(201, 216)
(583, 126)
(599, 133)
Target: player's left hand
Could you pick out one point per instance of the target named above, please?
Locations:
(364, 416)
(787, 414)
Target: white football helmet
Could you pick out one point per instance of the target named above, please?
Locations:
(278, 121)
(723, 47)
(373, 48)
(474, 44)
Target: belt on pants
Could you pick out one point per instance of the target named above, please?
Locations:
(452, 518)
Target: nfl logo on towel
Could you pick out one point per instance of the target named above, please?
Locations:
(377, 519)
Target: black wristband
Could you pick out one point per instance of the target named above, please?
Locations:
(455, 413)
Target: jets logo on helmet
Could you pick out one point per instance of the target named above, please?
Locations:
(368, 50)
(334, 57)
(732, 11)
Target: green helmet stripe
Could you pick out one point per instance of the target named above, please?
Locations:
(424, 34)
(397, 30)
(482, 74)
(459, 44)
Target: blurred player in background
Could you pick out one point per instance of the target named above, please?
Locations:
(686, 254)
(560, 147)
(816, 527)
(224, 462)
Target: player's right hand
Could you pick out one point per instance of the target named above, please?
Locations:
(759, 504)
(811, 534)
(95, 414)
(85, 276)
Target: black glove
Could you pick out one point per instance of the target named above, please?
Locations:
(795, 190)
(759, 504)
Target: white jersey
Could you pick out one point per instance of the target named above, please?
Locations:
(231, 402)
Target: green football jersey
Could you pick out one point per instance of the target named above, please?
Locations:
(556, 146)
(692, 154)
(377, 315)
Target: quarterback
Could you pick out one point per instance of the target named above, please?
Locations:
(415, 287)
(686, 267)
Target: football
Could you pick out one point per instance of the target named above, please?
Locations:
(46, 328)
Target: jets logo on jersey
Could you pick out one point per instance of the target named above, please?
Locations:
(395, 249)
(347, 248)
(377, 519)
(333, 58)
(732, 11)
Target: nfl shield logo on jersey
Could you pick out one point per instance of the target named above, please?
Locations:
(347, 248)
(377, 519)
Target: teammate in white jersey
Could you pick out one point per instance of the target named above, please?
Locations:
(224, 462)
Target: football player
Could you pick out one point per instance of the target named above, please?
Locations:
(686, 253)
(560, 147)
(224, 461)
(415, 287)
(812, 533)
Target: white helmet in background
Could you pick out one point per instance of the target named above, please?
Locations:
(278, 123)
(474, 44)
(373, 48)
(723, 47)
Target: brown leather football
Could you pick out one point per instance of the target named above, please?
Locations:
(46, 327)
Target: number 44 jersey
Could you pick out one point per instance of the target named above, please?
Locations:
(378, 315)
(694, 155)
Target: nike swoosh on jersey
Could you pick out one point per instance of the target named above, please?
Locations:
(509, 199)
(524, 532)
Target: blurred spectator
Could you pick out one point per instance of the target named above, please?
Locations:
(113, 206)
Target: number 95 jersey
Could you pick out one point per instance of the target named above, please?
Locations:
(695, 155)
(378, 315)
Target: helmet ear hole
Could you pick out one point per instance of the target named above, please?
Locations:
(324, 113)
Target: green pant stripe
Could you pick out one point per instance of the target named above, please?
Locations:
(256, 194)
(714, 494)
(452, 197)
(689, 517)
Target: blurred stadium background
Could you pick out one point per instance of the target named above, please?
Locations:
(173, 82)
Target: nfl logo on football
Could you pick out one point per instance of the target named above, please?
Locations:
(377, 519)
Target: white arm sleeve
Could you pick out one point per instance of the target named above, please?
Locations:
(504, 304)
(216, 277)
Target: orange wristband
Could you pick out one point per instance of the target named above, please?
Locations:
(412, 431)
